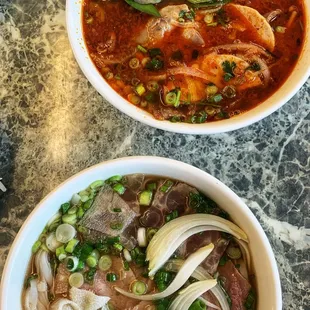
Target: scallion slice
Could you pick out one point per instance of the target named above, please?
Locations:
(96, 184)
(91, 261)
(139, 287)
(119, 188)
(105, 263)
(71, 263)
(76, 279)
(111, 277)
(71, 245)
(145, 198)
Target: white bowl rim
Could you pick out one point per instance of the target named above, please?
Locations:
(289, 88)
(177, 165)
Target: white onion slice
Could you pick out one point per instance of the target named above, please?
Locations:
(200, 274)
(54, 218)
(191, 293)
(209, 304)
(65, 233)
(31, 296)
(182, 276)
(43, 267)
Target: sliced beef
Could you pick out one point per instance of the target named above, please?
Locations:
(235, 285)
(152, 217)
(197, 241)
(62, 280)
(102, 220)
(102, 287)
(175, 199)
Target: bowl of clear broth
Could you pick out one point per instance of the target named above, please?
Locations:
(141, 233)
(193, 66)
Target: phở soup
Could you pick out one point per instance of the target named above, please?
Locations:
(140, 242)
(194, 61)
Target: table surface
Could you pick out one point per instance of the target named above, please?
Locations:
(54, 124)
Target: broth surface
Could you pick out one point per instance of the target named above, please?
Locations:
(113, 30)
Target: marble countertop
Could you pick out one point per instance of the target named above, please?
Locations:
(54, 124)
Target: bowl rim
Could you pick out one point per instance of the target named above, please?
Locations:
(237, 122)
(161, 161)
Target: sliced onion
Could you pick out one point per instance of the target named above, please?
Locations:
(141, 237)
(127, 255)
(188, 71)
(200, 274)
(187, 296)
(43, 267)
(65, 233)
(209, 304)
(182, 276)
(31, 296)
(163, 241)
(157, 262)
(52, 243)
(245, 253)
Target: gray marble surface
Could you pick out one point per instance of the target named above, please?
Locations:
(54, 124)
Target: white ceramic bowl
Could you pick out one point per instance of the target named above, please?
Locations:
(269, 288)
(285, 93)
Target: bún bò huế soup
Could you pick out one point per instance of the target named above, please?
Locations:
(195, 61)
(140, 242)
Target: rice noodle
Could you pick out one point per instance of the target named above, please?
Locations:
(210, 11)
(188, 71)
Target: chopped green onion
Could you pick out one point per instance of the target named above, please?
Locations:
(71, 245)
(153, 52)
(151, 186)
(111, 277)
(152, 86)
(150, 233)
(36, 246)
(117, 210)
(217, 98)
(87, 204)
(114, 178)
(140, 89)
(116, 225)
(109, 75)
(138, 287)
(142, 49)
(112, 240)
(166, 186)
(211, 90)
(84, 195)
(154, 64)
(61, 253)
(105, 263)
(126, 265)
(127, 255)
(91, 261)
(208, 19)
(234, 252)
(280, 29)
(145, 198)
(90, 275)
(95, 253)
(134, 63)
(69, 219)
(134, 99)
(80, 212)
(229, 91)
(76, 279)
(171, 216)
(65, 207)
(250, 301)
(80, 266)
(198, 305)
(212, 24)
(72, 263)
(118, 247)
(96, 184)
(65, 232)
(72, 210)
(119, 188)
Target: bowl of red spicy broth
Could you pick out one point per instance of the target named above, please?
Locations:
(296, 79)
(267, 277)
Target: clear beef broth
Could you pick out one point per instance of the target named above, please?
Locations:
(108, 229)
